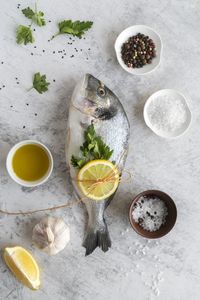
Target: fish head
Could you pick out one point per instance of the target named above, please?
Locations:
(93, 98)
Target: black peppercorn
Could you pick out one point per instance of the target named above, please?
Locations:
(138, 51)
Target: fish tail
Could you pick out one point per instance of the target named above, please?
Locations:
(97, 237)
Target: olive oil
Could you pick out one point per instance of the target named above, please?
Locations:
(30, 162)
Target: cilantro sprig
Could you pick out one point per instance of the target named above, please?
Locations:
(92, 148)
(76, 28)
(39, 83)
(24, 34)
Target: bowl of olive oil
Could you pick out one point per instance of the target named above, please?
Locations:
(29, 163)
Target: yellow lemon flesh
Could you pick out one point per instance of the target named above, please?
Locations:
(98, 179)
(23, 266)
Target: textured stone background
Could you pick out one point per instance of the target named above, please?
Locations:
(134, 267)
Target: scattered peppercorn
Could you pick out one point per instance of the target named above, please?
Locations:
(54, 80)
(35, 114)
(31, 53)
(43, 50)
(138, 51)
(24, 126)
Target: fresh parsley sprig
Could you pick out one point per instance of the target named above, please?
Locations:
(24, 34)
(36, 16)
(76, 28)
(92, 148)
(39, 83)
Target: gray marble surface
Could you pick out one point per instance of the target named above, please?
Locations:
(135, 267)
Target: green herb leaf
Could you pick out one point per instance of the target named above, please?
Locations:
(24, 35)
(40, 83)
(77, 162)
(92, 148)
(38, 18)
(28, 12)
(35, 16)
(76, 28)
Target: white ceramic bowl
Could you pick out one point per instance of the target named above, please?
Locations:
(10, 167)
(174, 94)
(125, 35)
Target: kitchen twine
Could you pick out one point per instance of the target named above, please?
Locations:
(95, 183)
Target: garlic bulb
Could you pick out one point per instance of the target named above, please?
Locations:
(51, 235)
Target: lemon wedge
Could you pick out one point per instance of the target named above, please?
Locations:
(98, 179)
(23, 266)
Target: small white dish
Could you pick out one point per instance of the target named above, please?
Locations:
(174, 95)
(125, 35)
(10, 167)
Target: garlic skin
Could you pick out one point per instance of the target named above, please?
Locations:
(51, 235)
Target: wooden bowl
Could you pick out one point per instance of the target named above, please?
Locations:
(170, 219)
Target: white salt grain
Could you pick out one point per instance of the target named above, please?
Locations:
(167, 113)
(150, 213)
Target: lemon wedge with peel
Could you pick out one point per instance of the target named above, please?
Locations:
(23, 265)
(98, 179)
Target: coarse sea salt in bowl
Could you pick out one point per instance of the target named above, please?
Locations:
(152, 214)
(167, 114)
(132, 31)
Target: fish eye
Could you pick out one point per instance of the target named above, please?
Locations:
(101, 92)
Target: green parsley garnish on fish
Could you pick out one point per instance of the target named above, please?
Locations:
(93, 148)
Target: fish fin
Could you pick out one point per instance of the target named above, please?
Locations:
(97, 238)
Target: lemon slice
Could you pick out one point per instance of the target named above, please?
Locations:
(23, 265)
(98, 179)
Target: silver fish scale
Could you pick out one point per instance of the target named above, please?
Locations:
(115, 133)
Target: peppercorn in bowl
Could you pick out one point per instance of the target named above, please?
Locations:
(138, 49)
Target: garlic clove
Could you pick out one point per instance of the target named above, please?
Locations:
(51, 235)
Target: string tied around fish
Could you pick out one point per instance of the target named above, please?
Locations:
(94, 183)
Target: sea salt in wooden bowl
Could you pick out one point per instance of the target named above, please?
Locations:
(131, 31)
(167, 114)
(170, 218)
